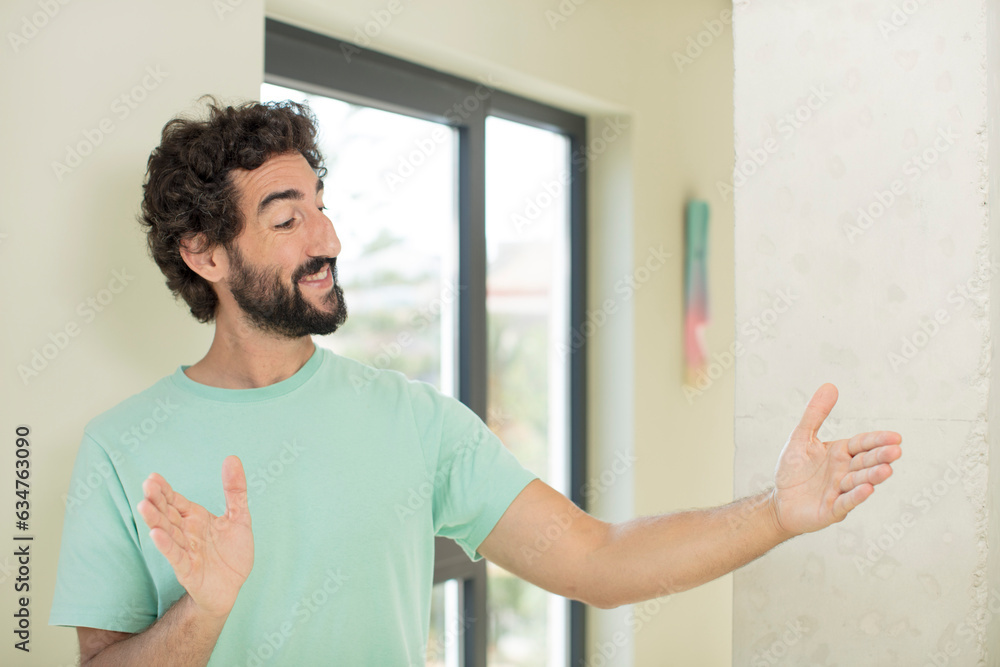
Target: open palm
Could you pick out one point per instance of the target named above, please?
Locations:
(818, 483)
(211, 555)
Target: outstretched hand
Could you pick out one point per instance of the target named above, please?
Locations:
(211, 555)
(818, 483)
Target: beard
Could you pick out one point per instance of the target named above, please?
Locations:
(272, 307)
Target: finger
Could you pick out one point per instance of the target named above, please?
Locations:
(882, 454)
(865, 441)
(848, 501)
(182, 504)
(154, 518)
(154, 493)
(818, 409)
(234, 485)
(873, 476)
(172, 551)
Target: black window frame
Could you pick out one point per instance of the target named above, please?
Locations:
(298, 58)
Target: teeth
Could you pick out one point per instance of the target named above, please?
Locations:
(318, 276)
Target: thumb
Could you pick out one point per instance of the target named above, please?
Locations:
(234, 485)
(819, 408)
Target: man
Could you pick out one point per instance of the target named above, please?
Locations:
(321, 555)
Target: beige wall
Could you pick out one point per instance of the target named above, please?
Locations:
(606, 60)
(65, 238)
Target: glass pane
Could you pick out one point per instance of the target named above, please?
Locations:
(391, 194)
(527, 301)
(445, 639)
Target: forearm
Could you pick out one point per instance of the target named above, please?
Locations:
(654, 556)
(184, 636)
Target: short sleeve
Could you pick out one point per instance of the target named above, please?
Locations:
(475, 476)
(102, 580)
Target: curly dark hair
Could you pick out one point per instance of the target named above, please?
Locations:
(187, 192)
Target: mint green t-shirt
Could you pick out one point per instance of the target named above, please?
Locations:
(351, 472)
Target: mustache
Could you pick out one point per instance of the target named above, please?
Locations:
(317, 265)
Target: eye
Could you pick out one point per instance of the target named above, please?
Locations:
(322, 208)
(285, 225)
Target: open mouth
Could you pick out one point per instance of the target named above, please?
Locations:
(321, 278)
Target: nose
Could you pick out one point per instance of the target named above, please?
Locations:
(323, 241)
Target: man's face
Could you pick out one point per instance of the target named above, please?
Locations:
(287, 237)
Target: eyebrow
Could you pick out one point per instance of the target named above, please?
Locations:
(291, 193)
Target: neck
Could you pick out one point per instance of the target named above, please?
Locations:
(244, 358)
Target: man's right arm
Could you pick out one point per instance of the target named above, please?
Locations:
(185, 636)
(211, 556)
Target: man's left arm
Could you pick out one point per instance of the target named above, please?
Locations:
(547, 540)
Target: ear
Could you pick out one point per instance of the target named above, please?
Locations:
(210, 263)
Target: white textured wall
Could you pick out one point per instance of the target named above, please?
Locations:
(993, 497)
(891, 104)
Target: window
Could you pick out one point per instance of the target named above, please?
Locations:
(399, 235)
(527, 311)
(461, 209)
